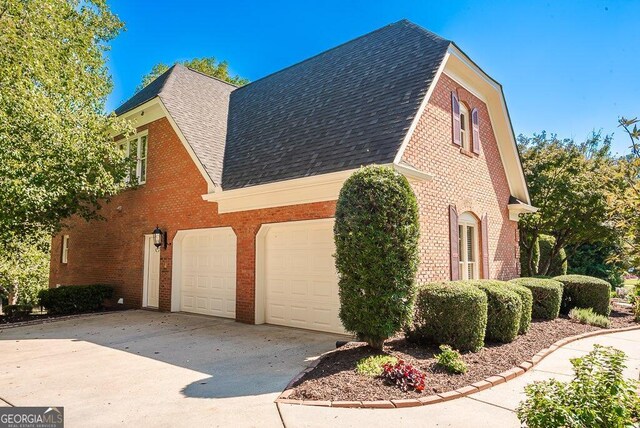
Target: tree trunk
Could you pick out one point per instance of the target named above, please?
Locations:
(376, 344)
(12, 297)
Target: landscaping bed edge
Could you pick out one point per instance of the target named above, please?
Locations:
(478, 386)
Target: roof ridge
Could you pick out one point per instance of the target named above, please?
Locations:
(165, 84)
(211, 77)
(328, 50)
(424, 30)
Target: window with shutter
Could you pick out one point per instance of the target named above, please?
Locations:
(475, 123)
(468, 246)
(136, 148)
(485, 246)
(64, 258)
(455, 114)
(464, 127)
(454, 242)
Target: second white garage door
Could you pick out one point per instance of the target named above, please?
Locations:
(301, 284)
(208, 277)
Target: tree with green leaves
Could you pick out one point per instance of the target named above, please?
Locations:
(624, 196)
(376, 234)
(24, 270)
(566, 183)
(56, 156)
(207, 65)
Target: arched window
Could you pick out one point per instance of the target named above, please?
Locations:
(468, 241)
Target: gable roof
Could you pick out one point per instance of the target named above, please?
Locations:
(350, 106)
(199, 105)
(347, 107)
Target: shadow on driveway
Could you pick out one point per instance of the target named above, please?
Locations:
(237, 359)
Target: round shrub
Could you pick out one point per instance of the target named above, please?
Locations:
(527, 305)
(582, 291)
(558, 264)
(450, 313)
(504, 310)
(547, 295)
(376, 235)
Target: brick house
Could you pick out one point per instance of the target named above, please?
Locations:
(244, 181)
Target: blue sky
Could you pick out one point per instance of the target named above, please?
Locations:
(566, 66)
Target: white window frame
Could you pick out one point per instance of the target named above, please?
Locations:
(141, 156)
(65, 249)
(468, 221)
(465, 129)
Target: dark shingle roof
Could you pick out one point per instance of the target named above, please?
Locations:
(147, 93)
(198, 105)
(346, 107)
(349, 106)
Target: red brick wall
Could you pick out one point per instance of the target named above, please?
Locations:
(475, 183)
(112, 251)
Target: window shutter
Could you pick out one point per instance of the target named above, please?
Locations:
(455, 113)
(475, 121)
(485, 247)
(453, 237)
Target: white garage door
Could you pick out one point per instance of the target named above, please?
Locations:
(301, 284)
(208, 277)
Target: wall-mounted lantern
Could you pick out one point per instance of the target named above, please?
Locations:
(159, 238)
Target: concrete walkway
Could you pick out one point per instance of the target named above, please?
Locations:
(494, 407)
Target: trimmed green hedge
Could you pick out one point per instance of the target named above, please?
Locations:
(527, 305)
(75, 299)
(17, 311)
(504, 310)
(376, 234)
(449, 313)
(582, 291)
(547, 296)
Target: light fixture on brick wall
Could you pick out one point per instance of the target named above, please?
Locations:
(159, 238)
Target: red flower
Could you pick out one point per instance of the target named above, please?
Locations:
(404, 376)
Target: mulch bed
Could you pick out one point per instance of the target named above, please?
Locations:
(35, 317)
(335, 379)
(32, 317)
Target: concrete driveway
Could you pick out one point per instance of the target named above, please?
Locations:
(144, 368)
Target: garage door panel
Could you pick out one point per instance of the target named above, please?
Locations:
(300, 288)
(300, 276)
(208, 278)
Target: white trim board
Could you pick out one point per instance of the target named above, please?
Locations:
(316, 188)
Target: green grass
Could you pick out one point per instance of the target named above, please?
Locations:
(372, 366)
(587, 316)
(631, 282)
